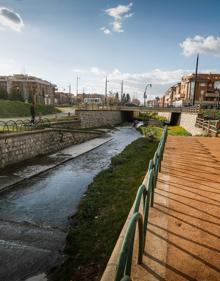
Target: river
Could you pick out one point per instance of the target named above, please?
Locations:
(34, 215)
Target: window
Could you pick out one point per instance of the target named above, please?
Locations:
(202, 84)
(217, 84)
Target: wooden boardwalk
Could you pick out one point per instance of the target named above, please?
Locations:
(183, 238)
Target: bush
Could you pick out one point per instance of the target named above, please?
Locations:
(3, 94)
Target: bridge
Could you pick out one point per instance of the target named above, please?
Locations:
(172, 231)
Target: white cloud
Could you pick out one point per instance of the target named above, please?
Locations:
(119, 14)
(119, 11)
(106, 30)
(10, 19)
(117, 26)
(200, 44)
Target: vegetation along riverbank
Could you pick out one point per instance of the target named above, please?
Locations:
(104, 209)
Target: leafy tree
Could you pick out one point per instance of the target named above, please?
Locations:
(123, 99)
(15, 94)
(128, 98)
(3, 94)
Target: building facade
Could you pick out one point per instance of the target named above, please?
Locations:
(29, 88)
(64, 98)
(182, 94)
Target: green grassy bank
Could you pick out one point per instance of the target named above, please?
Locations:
(103, 212)
(156, 131)
(10, 109)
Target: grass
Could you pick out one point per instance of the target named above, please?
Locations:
(10, 109)
(103, 212)
(156, 131)
(212, 114)
(151, 115)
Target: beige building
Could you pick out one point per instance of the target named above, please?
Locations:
(207, 88)
(29, 87)
(182, 93)
(64, 98)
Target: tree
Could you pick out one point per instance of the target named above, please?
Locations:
(128, 98)
(123, 99)
(15, 94)
(3, 94)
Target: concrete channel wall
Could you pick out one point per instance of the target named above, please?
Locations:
(187, 120)
(165, 114)
(97, 118)
(16, 147)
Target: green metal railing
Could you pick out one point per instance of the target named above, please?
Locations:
(11, 126)
(145, 194)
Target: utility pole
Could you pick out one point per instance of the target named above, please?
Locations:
(196, 77)
(122, 89)
(77, 84)
(106, 90)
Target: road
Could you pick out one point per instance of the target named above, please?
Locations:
(34, 215)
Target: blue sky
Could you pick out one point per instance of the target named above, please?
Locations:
(139, 41)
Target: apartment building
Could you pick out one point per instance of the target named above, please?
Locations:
(29, 87)
(182, 93)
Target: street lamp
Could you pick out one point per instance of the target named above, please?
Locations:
(145, 93)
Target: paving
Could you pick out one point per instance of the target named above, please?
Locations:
(183, 238)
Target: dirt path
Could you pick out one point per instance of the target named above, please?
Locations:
(183, 239)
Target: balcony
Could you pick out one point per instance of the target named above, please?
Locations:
(211, 95)
(180, 96)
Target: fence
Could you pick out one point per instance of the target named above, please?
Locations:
(123, 261)
(210, 126)
(23, 125)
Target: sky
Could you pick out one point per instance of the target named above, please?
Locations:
(139, 42)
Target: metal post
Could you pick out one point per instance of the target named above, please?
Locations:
(122, 89)
(106, 91)
(196, 76)
(77, 84)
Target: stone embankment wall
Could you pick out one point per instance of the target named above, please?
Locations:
(18, 147)
(98, 118)
(188, 122)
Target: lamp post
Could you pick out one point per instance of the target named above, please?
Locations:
(145, 93)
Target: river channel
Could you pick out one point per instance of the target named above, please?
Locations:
(34, 215)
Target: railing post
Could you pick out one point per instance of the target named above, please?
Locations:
(208, 126)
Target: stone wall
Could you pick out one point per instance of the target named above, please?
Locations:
(188, 122)
(97, 118)
(18, 147)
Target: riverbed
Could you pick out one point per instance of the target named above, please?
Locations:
(34, 215)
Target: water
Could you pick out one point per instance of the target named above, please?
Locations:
(34, 215)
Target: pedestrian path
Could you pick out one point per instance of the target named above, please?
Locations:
(183, 237)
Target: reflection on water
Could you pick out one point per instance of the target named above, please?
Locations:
(49, 199)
